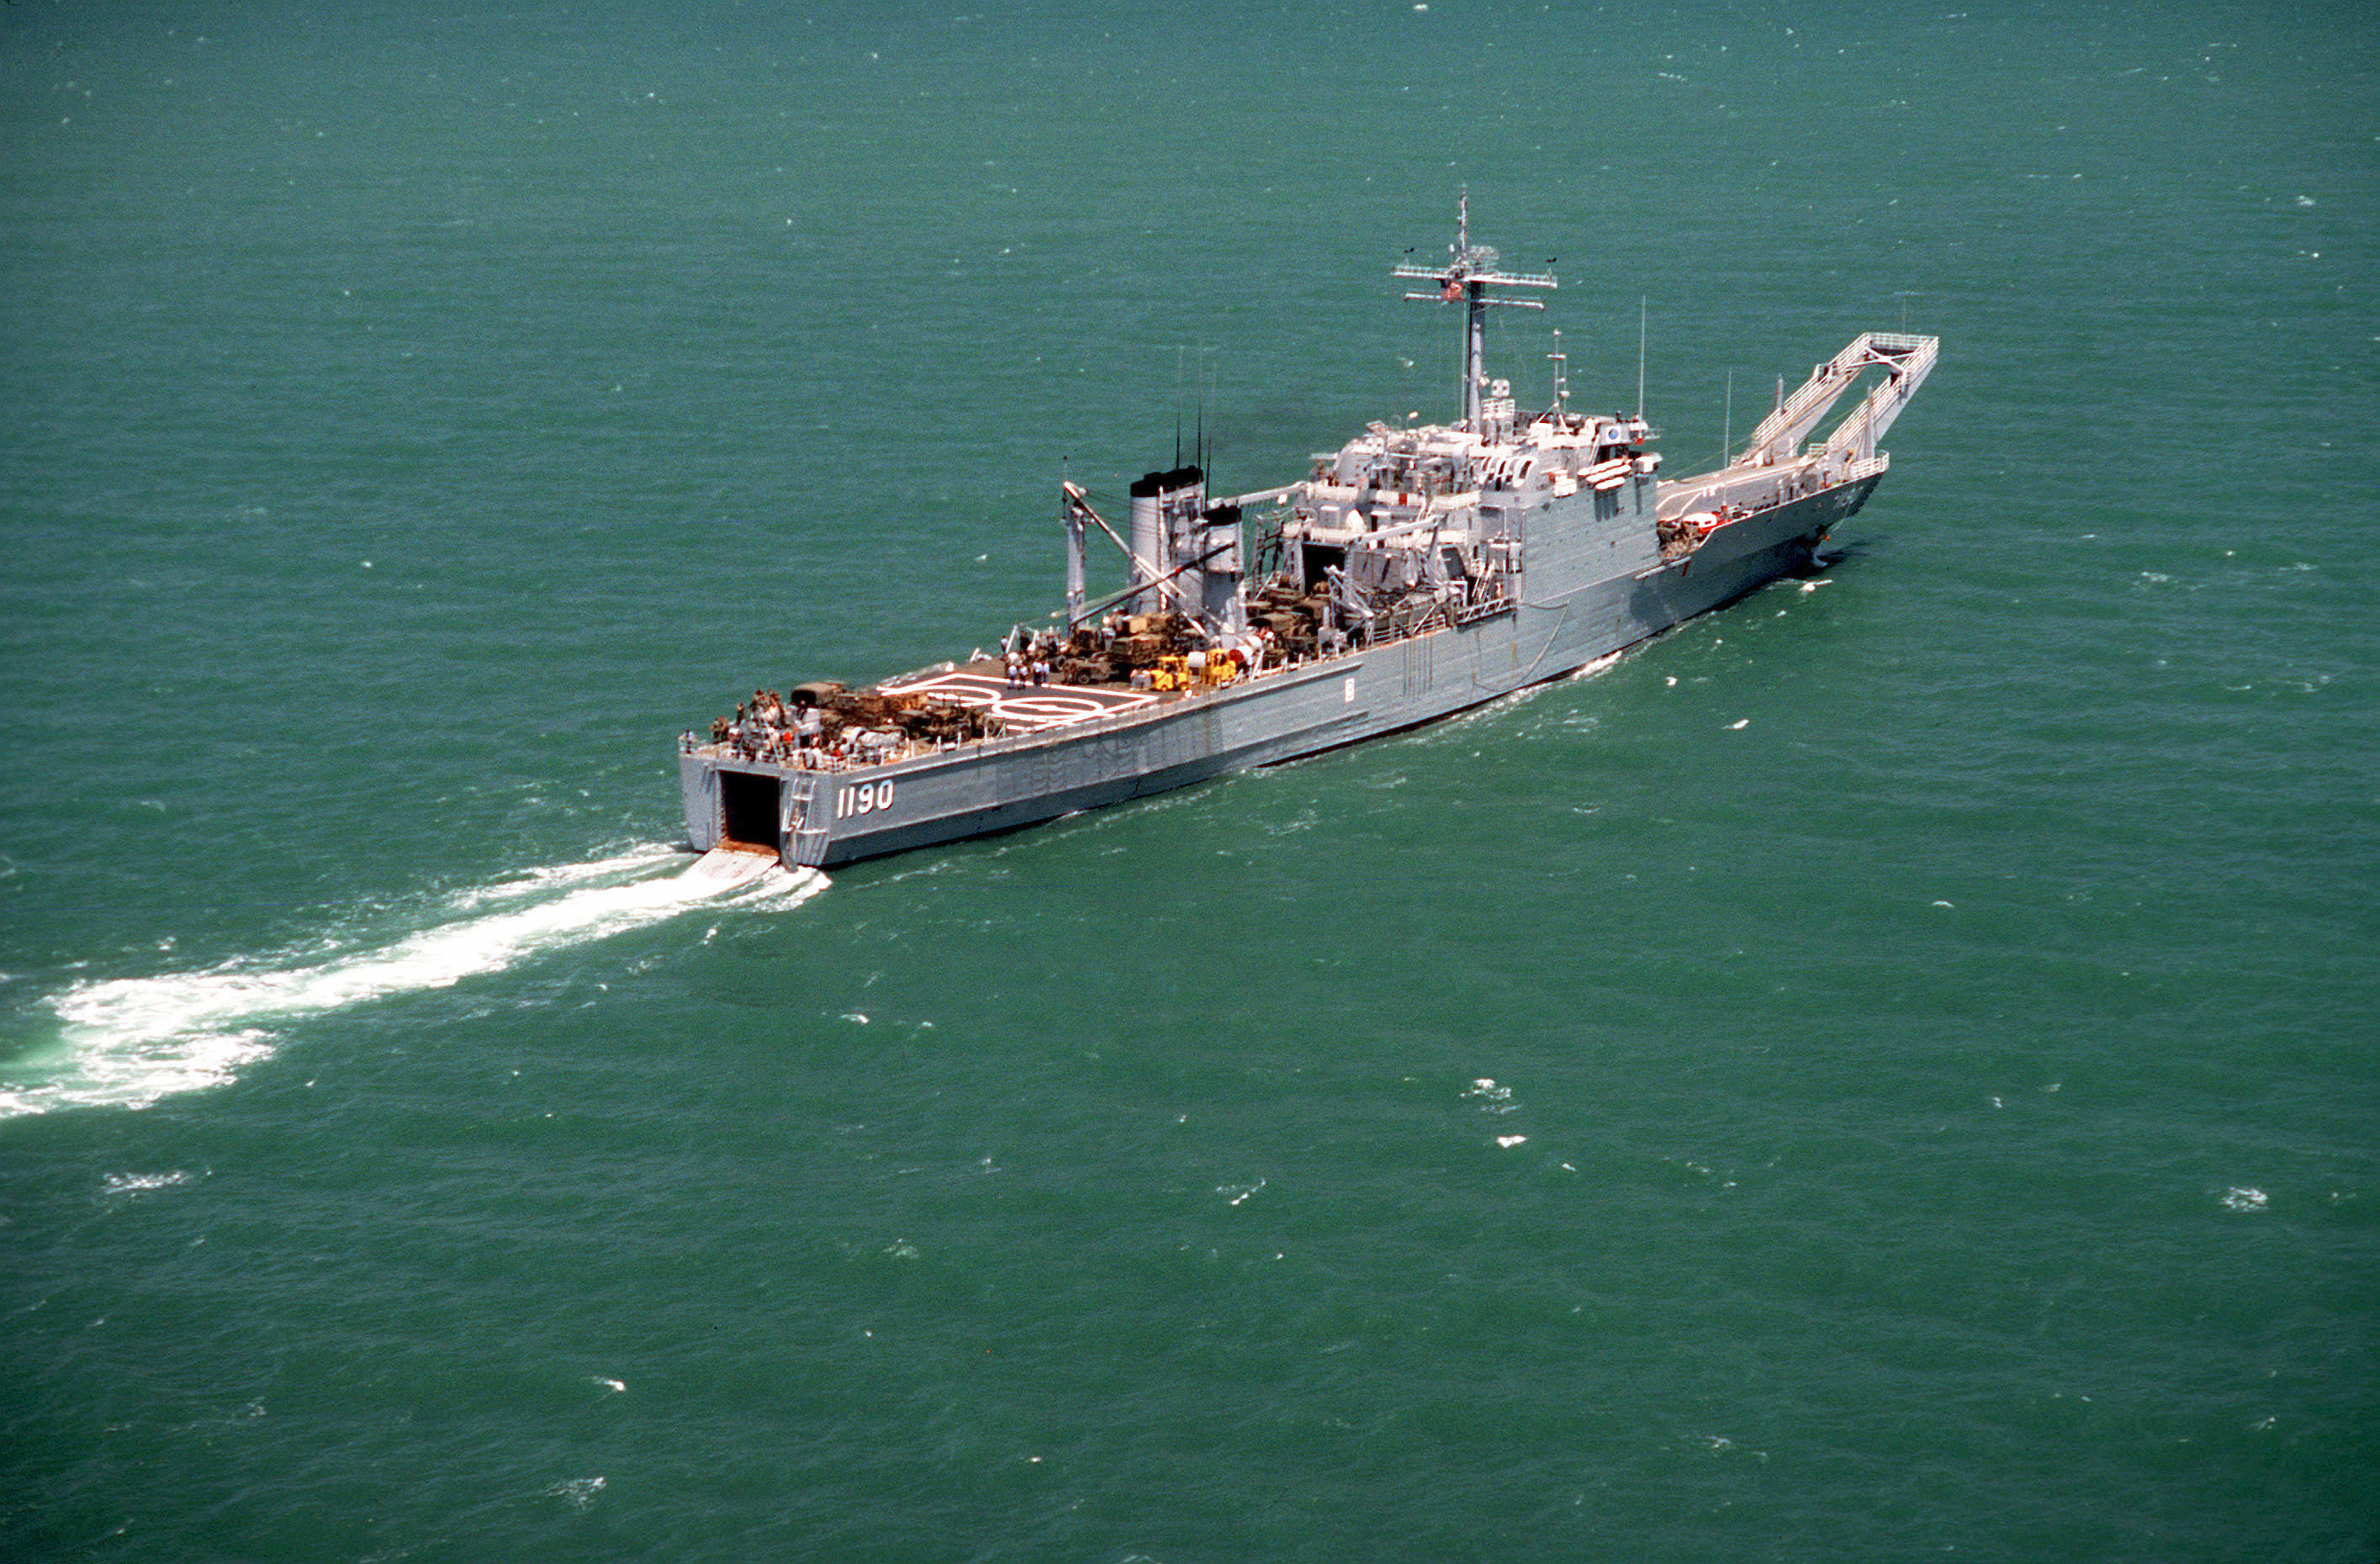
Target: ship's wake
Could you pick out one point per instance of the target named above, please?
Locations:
(130, 1041)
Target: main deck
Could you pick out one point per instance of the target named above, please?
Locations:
(1060, 748)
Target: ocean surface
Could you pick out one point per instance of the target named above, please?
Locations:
(1885, 1070)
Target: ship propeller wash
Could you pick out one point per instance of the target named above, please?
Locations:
(1416, 572)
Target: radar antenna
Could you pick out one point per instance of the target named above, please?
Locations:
(1466, 277)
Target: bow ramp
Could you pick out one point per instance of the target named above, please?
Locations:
(1906, 360)
(1775, 469)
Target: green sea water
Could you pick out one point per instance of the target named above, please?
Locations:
(1883, 1071)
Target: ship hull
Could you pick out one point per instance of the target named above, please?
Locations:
(831, 818)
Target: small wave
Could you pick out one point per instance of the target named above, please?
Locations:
(130, 1041)
(1603, 664)
(141, 1183)
(577, 1493)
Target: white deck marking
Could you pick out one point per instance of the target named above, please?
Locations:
(1029, 708)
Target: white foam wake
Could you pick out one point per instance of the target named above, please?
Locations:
(129, 1041)
(561, 877)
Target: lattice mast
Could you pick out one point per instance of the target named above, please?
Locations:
(1470, 272)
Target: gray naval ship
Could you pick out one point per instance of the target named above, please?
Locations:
(1413, 573)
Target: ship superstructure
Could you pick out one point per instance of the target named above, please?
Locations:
(1413, 573)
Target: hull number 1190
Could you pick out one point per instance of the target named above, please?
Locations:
(865, 799)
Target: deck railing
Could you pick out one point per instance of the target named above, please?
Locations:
(1438, 616)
